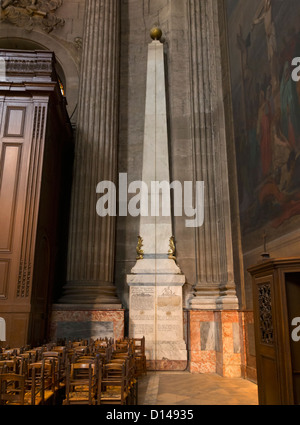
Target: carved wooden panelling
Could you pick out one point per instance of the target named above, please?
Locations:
(4, 273)
(15, 120)
(32, 197)
(9, 179)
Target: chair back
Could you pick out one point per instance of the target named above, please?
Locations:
(12, 388)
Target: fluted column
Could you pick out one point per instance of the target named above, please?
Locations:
(215, 287)
(90, 272)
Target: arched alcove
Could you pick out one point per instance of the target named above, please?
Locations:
(67, 69)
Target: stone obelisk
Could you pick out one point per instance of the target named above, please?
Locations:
(156, 281)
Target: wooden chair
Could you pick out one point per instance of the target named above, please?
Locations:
(114, 389)
(63, 356)
(133, 379)
(123, 347)
(104, 352)
(8, 366)
(81, 350)
(8, 353)
(21, 364)
(86, 359)
(34, 355)
(13, 365)
(58, 369)
(75, 344)
(39, 381)
(12, 389)
(27, 357)
(140, 357)
(81, 384)
(130, 372)
(96, 360)
(62, 351)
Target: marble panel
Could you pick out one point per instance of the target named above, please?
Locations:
(111, 319)
(74, 330)
(207, 336)
(218, 336)
(236, 337)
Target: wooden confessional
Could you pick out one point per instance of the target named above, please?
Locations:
(35, 167)
(276, 304)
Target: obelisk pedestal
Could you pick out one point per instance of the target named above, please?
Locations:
(156, 281)
(155, 311)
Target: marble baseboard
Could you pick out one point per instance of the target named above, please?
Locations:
(166, 350)
(203, 362)
(166, 365)
(68, 322)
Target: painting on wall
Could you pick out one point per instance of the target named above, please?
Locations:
(263, 39)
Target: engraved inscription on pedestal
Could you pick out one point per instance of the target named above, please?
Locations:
(156, 313)
(142, 312)
(169, 313)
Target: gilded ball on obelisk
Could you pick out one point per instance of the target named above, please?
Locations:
(156, 33)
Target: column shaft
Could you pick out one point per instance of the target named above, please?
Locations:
(90, 270)
(215, 286)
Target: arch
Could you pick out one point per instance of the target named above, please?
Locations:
(16, 38)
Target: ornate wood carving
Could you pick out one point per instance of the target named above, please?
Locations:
(265, 313)
(32, 13)
(28, 66)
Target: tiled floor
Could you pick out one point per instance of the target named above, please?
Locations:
(184, 388)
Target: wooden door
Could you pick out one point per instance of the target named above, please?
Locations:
(265, 340)
(292, 288)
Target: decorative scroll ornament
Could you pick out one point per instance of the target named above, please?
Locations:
(78, 43)
(172, 249)
(31, 13)
(139, 250)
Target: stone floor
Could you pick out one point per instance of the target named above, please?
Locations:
(184, 388)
